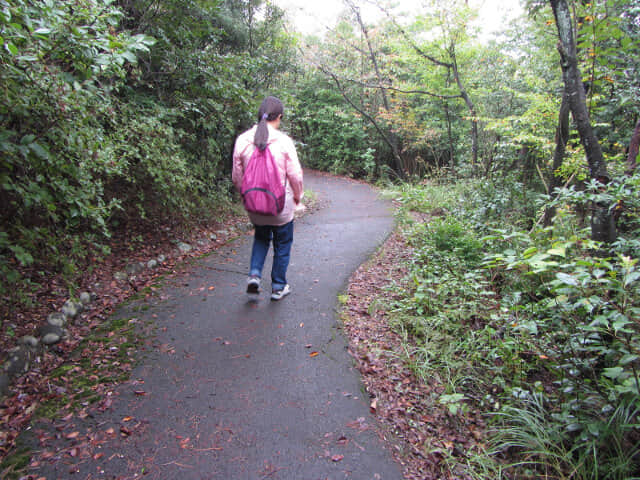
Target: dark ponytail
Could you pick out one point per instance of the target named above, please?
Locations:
(270, 109)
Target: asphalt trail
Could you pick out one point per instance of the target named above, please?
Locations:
(234, 390)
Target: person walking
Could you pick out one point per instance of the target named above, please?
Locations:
(271, 228)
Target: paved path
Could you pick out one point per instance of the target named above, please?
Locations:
(234, 393)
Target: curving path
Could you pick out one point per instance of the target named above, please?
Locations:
(234, 391)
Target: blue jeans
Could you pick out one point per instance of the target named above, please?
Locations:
(282, 237)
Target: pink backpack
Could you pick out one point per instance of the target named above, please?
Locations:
(262, 191)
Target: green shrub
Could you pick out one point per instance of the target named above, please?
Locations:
(540, 327)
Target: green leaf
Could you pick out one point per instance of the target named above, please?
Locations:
(567, 279)
(625, 360)
(630, 278)
(103, 59)
(558, 251)
(614, 373)
(12, 48)
(39, 151)
(21, 255)
(130, 56)
(621, 323)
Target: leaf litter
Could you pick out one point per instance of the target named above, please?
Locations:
(425, 435)
(428, 440)
(102, 359)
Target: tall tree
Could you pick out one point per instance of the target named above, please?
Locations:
(562, 137)
(392, 137)
(602, 222)
(634, 146)
(452, 19)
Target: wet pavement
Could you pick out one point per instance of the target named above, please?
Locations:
(243, 387)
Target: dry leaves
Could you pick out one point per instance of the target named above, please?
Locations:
(425, 429)
(37, 386)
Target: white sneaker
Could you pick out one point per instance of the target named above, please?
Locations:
(253, 284)
(278, 294)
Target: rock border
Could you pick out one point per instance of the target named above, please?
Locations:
(28, 348)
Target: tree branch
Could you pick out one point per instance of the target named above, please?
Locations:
(400, 90)
(406, 36)
(634, 146)
(365, 115)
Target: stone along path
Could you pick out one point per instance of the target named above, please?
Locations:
(247, 388)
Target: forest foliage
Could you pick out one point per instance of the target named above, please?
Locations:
(116, 113)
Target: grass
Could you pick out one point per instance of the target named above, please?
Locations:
(425, 198)
(483, 338)
(12, 466)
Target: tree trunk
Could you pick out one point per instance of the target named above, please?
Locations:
(562, 136)
(396, 154)
(393, 138)
(452, 159)
(602, 222)
(470, 106)
(634, 144)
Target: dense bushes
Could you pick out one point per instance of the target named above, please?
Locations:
(333, 139)
(103, 126)
(542, 329)
(59, 64)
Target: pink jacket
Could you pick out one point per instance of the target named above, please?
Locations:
(284, 153)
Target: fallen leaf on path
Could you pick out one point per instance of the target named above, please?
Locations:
(337, 458)
(38, 385)
(314, 354)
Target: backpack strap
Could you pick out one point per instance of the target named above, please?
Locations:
(285, 168)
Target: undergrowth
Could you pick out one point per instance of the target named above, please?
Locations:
(536, 327)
